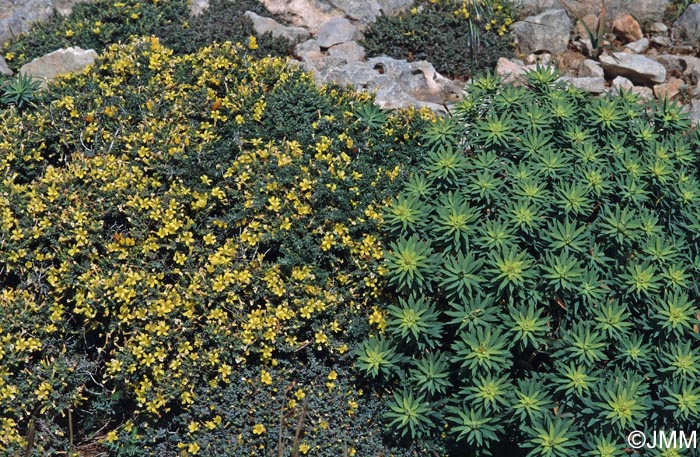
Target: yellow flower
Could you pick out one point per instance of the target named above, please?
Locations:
(265, 378)
(333, 375)
(111, 436)
(193, 448)
(299, 394)
(259, 429)
(252, 43)
(304, 448)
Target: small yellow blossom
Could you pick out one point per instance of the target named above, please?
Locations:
(259, 429)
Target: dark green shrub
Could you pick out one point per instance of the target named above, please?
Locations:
(542, 262)
(459, 38)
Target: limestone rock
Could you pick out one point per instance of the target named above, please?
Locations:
(662, 41)
(397, 83)
(590, 68)
(638, 46)
(310, 14)
(349, 51)
(548, 31)
(657, 27)
(263, 25)
(4, 69)
(688, 66)
(620, 82)
(527, 8)
(335, 31)
(592, 85)
(65, 7)
(643, 10)
(16, 17)
(644, 93)
(307, 46)
(58, 62)
(197, 7)
(670, 89)
(694, 111)
(688, 24)
(511, 71)
(638, 69)
(626, 28)
(568, 61)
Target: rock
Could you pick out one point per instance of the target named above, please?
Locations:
(4, 69)
(349, 51)
(527, 8)
(307, 46)
(638, 69)
(620, 82)
(671, 62)
(657, 27)
(644, 93)
(393, 7)
(692, 69)
(511, 71)
(592, 85)
(670, 89)
(643, 10)
(335, 31)
(688, 66)
(397, 83)
(591, 69)
(16, 17)
(361, 10)
(568, 61)
(58, 62)
(310, 14)
(662, 41)
(626, 28)
(687, 26)
(639, 46)
(197, 7)
(263, 25)
(694, 112)
(65, 7)
(548, 31)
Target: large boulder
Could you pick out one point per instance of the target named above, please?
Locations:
(687, 26)
(58, 62)
(367, 10)
(548, 31)
(636, 68)
(397, 83)
(17, 16)
(310, 14)
(337, 30)
(643, 10)
(263, 25)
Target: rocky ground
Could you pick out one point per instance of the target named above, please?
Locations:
(636, 46)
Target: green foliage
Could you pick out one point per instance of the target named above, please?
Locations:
(459, 38)
(554, 236)
(20, 91)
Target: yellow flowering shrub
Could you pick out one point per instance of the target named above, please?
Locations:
(181, 265)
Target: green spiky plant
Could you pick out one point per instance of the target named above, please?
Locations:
(546, 252)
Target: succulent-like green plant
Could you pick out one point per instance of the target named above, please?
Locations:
(562, 236)
(20, 90)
